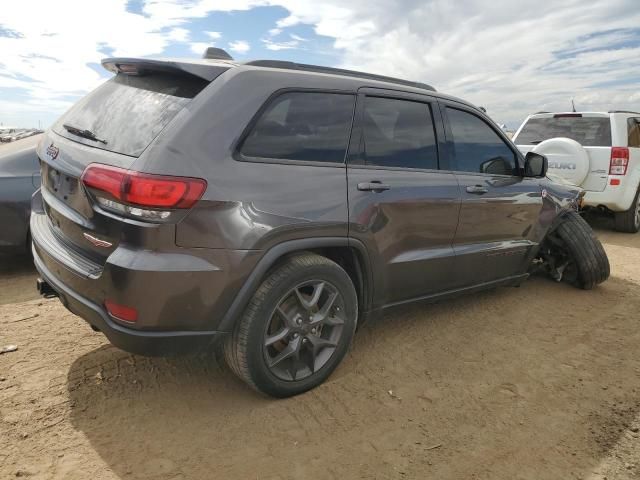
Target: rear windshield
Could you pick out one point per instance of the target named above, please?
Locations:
(128, 112)
(587, 131)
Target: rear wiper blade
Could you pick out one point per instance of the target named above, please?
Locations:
(81, 132)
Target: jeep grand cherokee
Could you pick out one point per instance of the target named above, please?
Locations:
(275, 206)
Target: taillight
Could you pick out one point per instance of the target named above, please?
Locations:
(141, 194)
(619, 161)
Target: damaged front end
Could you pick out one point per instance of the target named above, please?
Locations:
(564, 252)
(555, 259)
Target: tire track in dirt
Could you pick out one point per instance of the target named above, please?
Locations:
(541, 381)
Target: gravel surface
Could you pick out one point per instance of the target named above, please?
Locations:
(536, 382)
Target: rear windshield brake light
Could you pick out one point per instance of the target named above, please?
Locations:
(143, 189)
(129, 69)
(564, 115)
(619, 161)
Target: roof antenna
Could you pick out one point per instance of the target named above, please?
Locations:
(214, 53)
(573, 106)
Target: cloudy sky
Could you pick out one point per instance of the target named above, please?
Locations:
(511, 56)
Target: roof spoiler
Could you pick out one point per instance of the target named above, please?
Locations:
(142, 66)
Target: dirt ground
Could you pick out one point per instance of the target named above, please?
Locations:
(536, 382)
(17, 280)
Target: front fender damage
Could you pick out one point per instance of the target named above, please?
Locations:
(559, 201)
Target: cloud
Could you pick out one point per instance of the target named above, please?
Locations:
(239, 46)
(511, 57)
(292, 44)
(178, 34)
(275, 46)
(200, 47)
(47, 53)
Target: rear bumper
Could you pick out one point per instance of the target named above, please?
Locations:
(617, 198)
(134, 341)
(172, 288)
(181, 295)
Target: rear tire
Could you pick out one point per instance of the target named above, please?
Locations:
(585, 253)
(313, 331)
(629, 221)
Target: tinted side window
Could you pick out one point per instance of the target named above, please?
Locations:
(634, 132)
(399, 133)
(477, 147)
(305, 126)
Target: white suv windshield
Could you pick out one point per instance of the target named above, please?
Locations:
(587, 131)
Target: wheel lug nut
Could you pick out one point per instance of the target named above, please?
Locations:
(298, 321)
(296, 335)
(313, 330)
(304, 340)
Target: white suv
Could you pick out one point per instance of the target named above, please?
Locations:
(598, 151)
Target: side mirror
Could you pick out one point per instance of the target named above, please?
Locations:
(535, 165)
(496, 166)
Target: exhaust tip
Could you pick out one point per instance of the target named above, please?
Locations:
(45, 289)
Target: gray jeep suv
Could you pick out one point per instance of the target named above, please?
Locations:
(276, 206)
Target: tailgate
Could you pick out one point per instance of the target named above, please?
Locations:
(598, 176)
(113, 125)
(592, 130)
(65, 201)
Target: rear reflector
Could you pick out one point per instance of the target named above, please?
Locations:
(615, 181)
(144, 189)
(121, 312)
(619, 161)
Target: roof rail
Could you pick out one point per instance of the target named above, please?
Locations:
(337, 71)
(623, 111)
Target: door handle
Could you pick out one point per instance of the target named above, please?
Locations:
(477, 189)
(373, 186)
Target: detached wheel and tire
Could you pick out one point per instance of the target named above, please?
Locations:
(574, 254)
(629, 221)
(297, 327)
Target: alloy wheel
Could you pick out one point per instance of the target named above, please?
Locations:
(304, 330)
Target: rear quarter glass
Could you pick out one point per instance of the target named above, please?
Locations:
(302, 126)
(128, 112)
(587, 131)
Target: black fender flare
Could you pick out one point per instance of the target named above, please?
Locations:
(280, 250)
